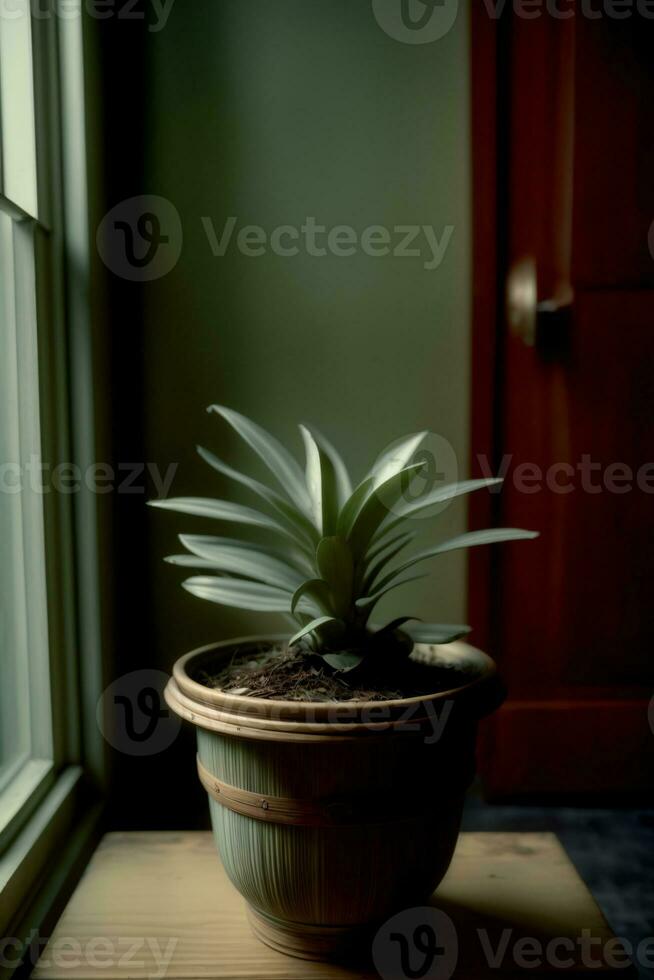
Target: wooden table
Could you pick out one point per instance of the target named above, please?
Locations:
(160, 905)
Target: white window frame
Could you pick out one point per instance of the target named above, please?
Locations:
(52, 807)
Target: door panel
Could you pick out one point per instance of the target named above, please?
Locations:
(571, 616)
(614, 149)
(568, 749)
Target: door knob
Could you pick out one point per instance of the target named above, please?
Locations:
(541, 323)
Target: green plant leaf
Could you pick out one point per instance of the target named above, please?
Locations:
(239, 594)
(221, 510)
(468, 540)
(393, 625)
(343, 662)
(396, 458)
(295, 520)
(276, 457)
(369, 490)
(353, 505)
(194, 561)
(343, 482)
(250, 564)
(436, 496)
(321, 484)
(493, 535)
(382, 562)
(366, 603)
(315, 624)
(382, 545)
(332, 564)
(336, 566)
(436, 632)
(447, 492)
(189, 561)
(376, 508)
(205, 545)
(298, 617)
(317, 590)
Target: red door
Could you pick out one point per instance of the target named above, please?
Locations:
(563, 136)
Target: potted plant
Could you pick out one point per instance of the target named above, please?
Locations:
(336, 761)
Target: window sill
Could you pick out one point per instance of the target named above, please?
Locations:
(22, 793)
(40, 859)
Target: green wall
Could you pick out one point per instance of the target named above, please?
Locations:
(272, 111)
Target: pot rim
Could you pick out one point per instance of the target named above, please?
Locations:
(211, 708)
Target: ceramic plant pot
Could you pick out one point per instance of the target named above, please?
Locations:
(331, 817)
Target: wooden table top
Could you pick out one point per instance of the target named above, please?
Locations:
(160, 905)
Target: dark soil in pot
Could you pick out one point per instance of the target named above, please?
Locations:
(289, 674)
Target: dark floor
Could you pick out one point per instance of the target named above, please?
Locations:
(613, 851)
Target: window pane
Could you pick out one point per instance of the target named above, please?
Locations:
(14, 690)
(17, 106)
(25, 709)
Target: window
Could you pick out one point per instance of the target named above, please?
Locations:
(26, 744)
(48, 640)
(26, 736)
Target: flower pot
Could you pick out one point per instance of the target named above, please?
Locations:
(330, 817)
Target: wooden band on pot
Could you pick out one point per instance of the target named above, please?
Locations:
(313, 813)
